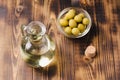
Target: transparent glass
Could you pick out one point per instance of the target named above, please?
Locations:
(37, 49)
(78, 10)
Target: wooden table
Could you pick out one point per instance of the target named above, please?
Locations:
(104, 35)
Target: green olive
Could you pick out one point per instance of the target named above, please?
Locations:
(81, 27)
(63, 22)
(82, 15)
(75, 31)
(70, 14)
(85, 21)
(72, 23)
(72, 10)
(78, 18)
(66, 17)
(68, 30)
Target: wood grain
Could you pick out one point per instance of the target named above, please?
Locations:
(104, 35)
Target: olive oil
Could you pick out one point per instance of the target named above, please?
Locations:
(36, 49)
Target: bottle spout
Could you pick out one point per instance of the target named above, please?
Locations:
(23, 30)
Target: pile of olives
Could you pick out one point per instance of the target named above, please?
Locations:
(74, 23)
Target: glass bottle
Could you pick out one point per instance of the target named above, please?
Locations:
(37, 49)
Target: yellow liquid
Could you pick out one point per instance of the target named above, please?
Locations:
(38, 55)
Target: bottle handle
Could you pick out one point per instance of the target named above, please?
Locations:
(23, 30)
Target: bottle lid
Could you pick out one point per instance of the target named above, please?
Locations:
(36, 30)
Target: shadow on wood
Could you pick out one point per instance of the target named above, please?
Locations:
(48, 71)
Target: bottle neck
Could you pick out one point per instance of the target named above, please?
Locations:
(36, 39)
(35, 31)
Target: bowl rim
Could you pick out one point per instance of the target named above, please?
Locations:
(78, 9)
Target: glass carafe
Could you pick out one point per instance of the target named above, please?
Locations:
(37, 49)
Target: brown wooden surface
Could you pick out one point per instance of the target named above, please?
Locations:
(104, 35)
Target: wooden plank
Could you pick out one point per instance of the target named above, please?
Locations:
(12, 67)
(105, 53)
(115, 34)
